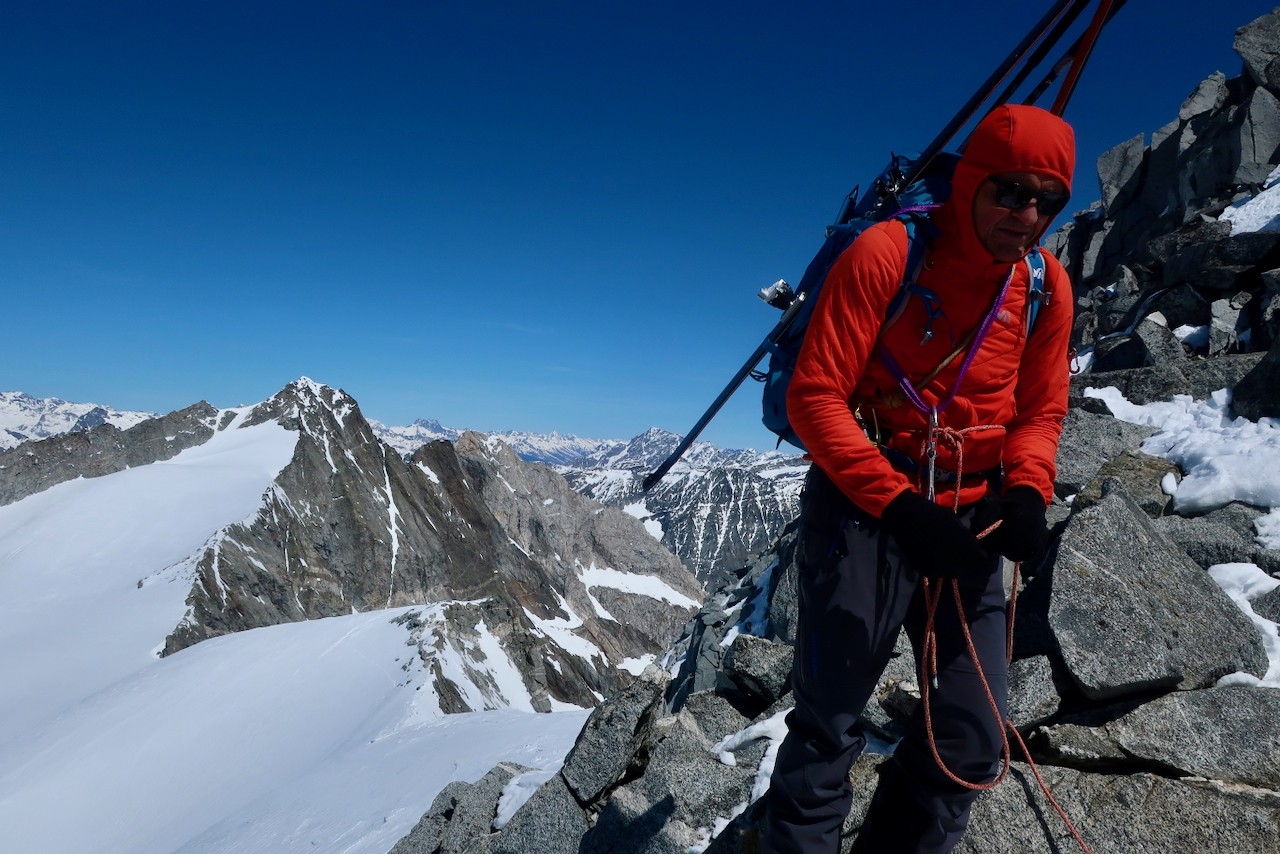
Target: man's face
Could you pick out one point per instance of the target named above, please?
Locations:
(1009, 231)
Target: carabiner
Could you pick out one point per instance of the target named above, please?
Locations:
(931, 451)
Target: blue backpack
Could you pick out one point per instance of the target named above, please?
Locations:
(910, 205)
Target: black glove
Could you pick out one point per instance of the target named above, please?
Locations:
(932, 538)
(1022, 535)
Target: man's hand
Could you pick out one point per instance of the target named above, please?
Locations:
(1022, 534)
(932, 538)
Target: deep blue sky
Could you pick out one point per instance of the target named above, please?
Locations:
(534, 215)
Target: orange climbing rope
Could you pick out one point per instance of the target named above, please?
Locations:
(929, 669)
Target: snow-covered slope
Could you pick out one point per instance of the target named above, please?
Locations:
(315, 735)
(87, 590)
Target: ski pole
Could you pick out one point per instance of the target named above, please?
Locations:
(1040, 53)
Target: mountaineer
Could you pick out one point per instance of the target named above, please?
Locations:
(925, 431)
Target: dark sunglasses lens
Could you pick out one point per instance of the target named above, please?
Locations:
(1012, 195)
(1051, 204)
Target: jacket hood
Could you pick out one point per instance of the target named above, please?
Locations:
(1011, 138)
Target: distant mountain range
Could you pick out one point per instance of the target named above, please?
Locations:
(714, 510)
(23, 417)
(549, 448)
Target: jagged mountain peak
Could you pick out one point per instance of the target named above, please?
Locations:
(329, 416)
(305, 393)
(350, 525)
(430, 425)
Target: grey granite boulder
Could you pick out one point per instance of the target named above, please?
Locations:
(1267, 606)
(1223, 328)
(1268, 330)
(1159, 341)
(1088, 441)
(716, 717)
(1218, 264)
(1132, 613)
(551, 820)
(756, 670)
(426, 834)
(1257, 395)
(1228, 734)
(1120, 172)
(685, 787)
(1206, 376)
(1122, 353)
(1225, 733)
(1207, 97)
(460, 814)
(1033, 694)
(1122, 814)
(1142, 476)
(1142, 385)
(702, 654)
(1258, 139)
(1198, 378)
(1207, 541)
(607, 744)
(1183, 306)
(1258, 44)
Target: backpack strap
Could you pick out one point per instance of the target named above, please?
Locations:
(1037, 294)
(920, 233)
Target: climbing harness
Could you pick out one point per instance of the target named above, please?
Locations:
(933, 433)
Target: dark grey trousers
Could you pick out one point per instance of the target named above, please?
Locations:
(856, 591)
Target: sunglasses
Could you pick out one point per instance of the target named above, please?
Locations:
(1014, 196)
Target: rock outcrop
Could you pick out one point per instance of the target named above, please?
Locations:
(578, 596)
(35, 466)
(1161, 251)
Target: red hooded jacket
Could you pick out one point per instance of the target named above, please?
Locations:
(1011, 402)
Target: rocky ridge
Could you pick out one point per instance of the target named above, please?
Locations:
(1122, 636)
(715, 509)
